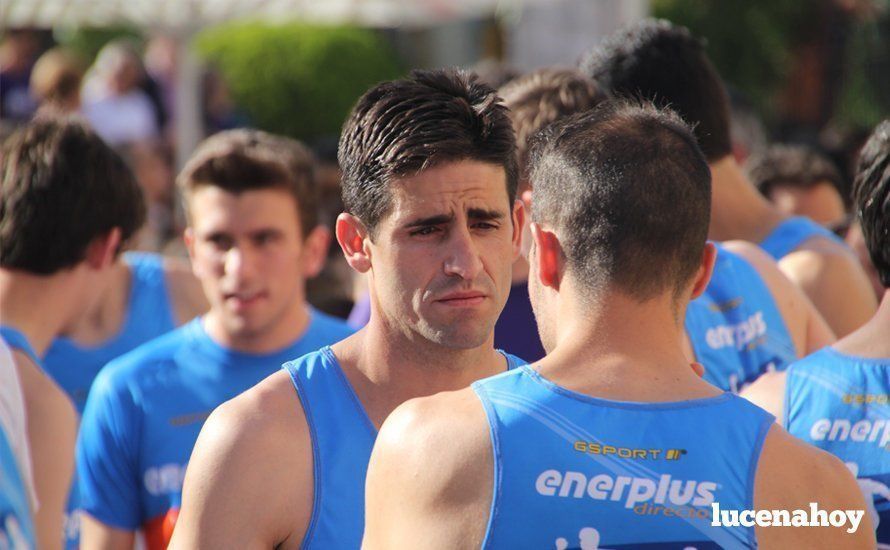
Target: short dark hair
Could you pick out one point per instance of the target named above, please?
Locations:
(403, 127)
(871, 195)
(793, 166)
(62, 187)
(629, 191)
(543, 96)
(249, 160)
(666, 64)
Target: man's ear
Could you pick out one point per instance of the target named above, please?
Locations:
(351, 234)
(518, 225)
(705, 270)
(548, 260)
(315, 251)
(102, 252)
(188, 238)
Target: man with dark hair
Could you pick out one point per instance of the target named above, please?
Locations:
(799, 182)
(66, 205)
(535, 100)
(837, 399)
(747, 289)
(253, 241)
(429, 179)
(612, 437)
(666, 64)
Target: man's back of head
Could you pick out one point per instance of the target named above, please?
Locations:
(666, 64)
(62, 187)
(871, 195)
(603, 179)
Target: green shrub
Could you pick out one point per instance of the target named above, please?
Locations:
(297, 79)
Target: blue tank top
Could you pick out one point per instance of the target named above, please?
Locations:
(146, 410)
(342, 437)
(16, 524)
(791, 233)
(149, 314)
(624, 474)
(735, 327)
(841, 403)
(18, 341)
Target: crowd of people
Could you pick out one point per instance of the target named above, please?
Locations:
(581, 320)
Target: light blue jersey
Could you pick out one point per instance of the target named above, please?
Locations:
(144, 414)
(342, 439)
(841, 403)
(16, 524)
(786, 237)
(736, 329)
(149, 314)
(17, 341)
(573, 471)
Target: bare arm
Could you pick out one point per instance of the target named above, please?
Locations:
(249, 480)
(807, 327)
(52, 431)
(406, 499)
(96, 535)
(790, 476)
(185, 290)
(836, 284)
(768, 393)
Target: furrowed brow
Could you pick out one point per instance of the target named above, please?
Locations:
(482, 214)
(430, 220)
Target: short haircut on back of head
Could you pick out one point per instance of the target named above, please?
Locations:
(665, 64)
(543, 96)
(793, 166)
(62, 188)
(871, 197)
(403, 127)
(628, 190)
(249, 160)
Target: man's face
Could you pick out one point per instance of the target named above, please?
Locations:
(248, 252)
(441, 260)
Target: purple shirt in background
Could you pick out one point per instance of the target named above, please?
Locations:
(361, 313)
(516, 331)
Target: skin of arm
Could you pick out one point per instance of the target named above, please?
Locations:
(185, 290)
(52, 432)
(434, 485)
(768, 393)
(249, 482)
(836, 284)
(102, 536)
(791, 475)
(807, 327)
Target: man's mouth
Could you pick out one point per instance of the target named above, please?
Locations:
(241, 300)
(466, 298)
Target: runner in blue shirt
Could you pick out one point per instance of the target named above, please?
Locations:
(838, 399)
(67, 203)
(429, 183)
(612, 439)
(253, 240)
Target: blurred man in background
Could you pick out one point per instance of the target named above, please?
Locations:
(67, 204)
(666, 64)
(253, 240)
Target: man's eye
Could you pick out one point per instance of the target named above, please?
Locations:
(429, 230)
(485, 226)
(220, 241)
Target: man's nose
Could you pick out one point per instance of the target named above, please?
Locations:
(240, 263)
(463, 257)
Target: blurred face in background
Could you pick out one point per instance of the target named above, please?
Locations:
(821, 202)
(250, 255)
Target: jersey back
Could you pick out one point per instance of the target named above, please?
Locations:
(841, 403)
(786, 237)
(735, 327)
(149, 314)
(146, 410)
(616, 474)
(342, 438)
(16, 524)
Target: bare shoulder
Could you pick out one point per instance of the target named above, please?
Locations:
(750, 251)
(446, 505)
(249, 480)
(185, 290)
(768, 393)
(790, 476)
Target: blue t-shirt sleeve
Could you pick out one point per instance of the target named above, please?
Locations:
(107, 456)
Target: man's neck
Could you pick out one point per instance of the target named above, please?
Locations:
(622, 349)
(738, 210)
(386, 368)
(38, 306)
(104, 320)
(870, 340)
(285, 331)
